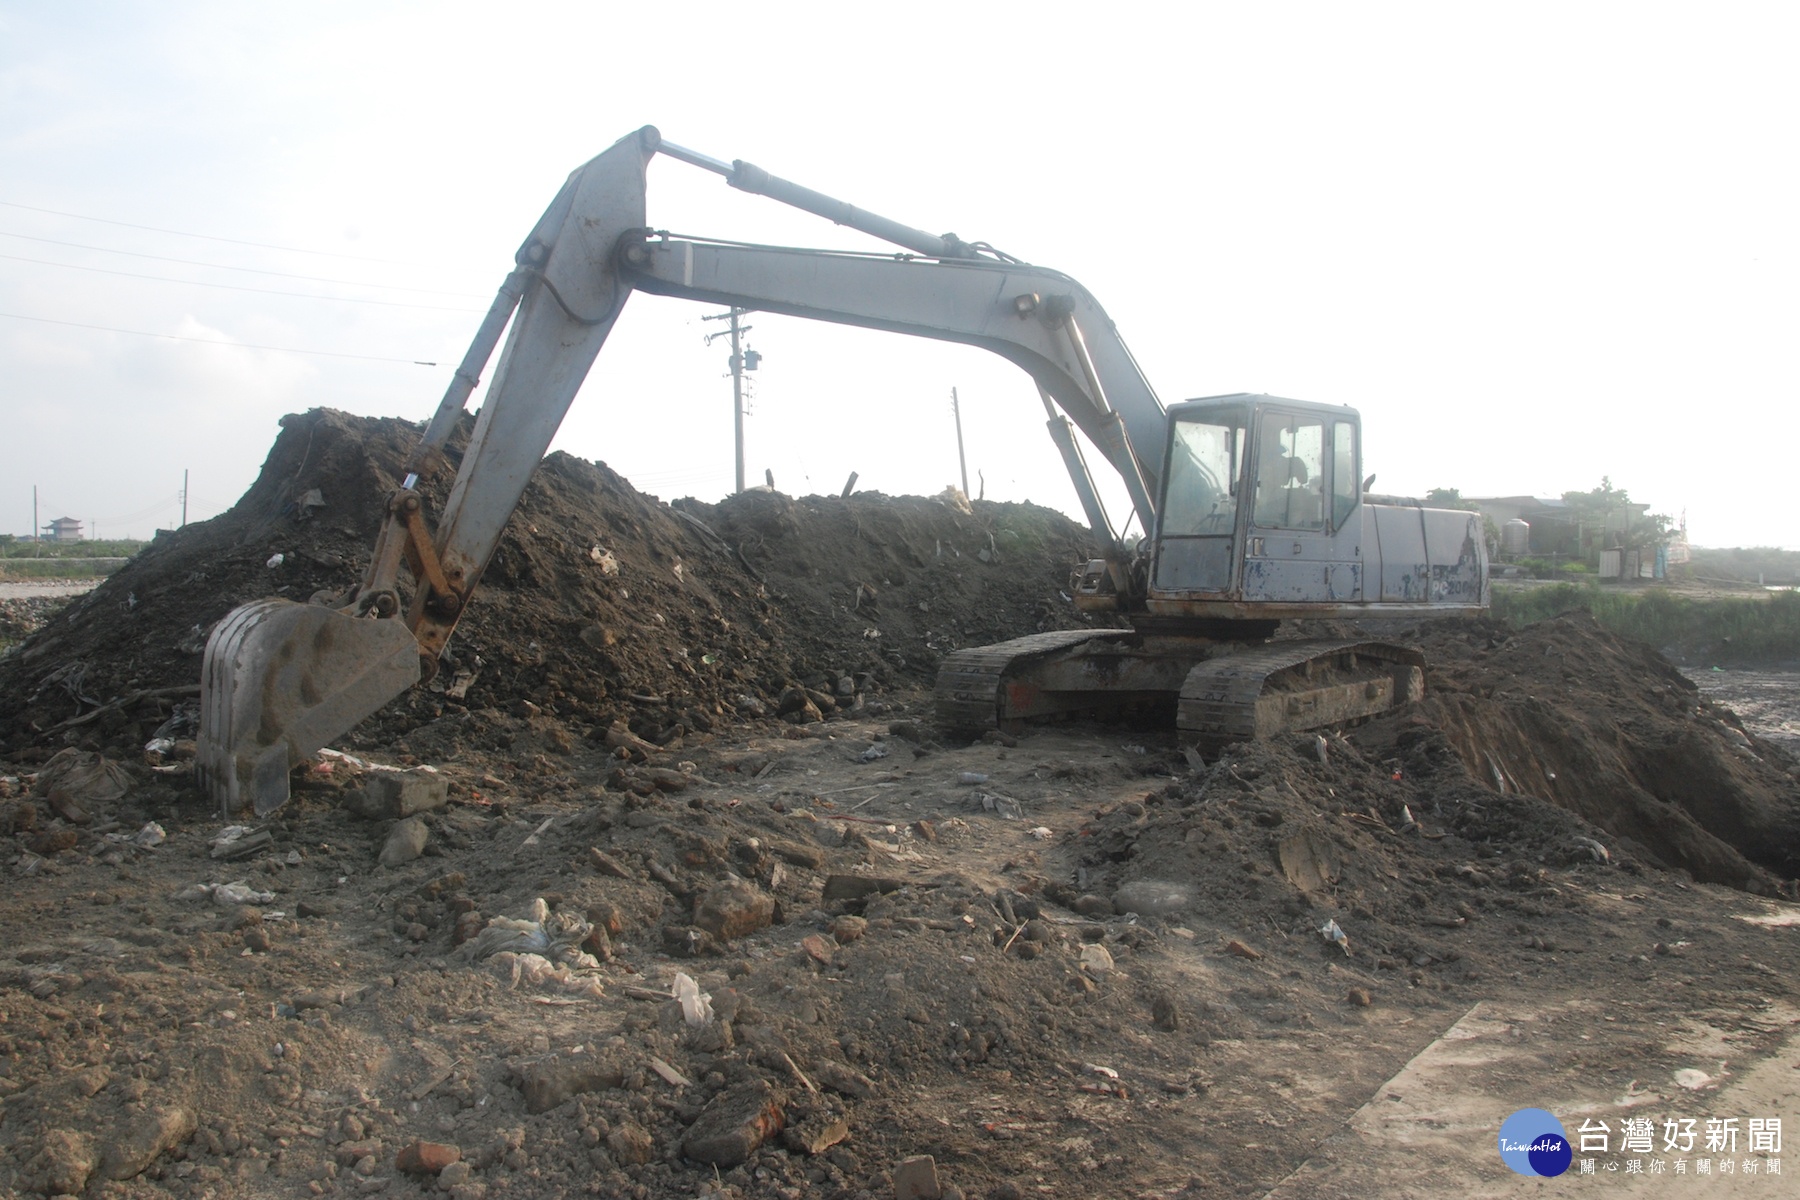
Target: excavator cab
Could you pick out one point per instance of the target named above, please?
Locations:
(1262, 516)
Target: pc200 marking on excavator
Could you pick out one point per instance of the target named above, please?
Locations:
(1255, 503)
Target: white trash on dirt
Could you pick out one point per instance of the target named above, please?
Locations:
(553, 936)
(226, 895)
(1331, 932)
(696, 1005)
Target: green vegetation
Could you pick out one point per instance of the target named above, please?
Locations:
(11, 548)
(69, 560)
(1592, 509)
(1771, 564)
(1544, 568)
(1761, 630)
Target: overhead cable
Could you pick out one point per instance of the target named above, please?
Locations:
(239, 287)
(385, 287)
(205, 236)
(175, 337)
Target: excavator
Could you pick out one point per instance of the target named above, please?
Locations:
(1253, 506)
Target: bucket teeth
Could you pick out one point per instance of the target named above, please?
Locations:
(278, 682)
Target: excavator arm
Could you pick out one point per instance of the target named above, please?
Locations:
(280, 679)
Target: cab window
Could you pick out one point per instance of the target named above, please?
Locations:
(1290, 475)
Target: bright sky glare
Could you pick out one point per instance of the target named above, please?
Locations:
(1534, 244)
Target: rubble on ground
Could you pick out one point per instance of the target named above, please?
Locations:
(612, 923)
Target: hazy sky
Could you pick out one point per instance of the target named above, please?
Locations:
(1534, 244)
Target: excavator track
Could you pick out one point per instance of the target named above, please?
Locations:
(973, 685)
(1285, 686)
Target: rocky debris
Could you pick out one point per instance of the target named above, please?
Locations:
(405, 842)
(388, 795)
(631, 1144)
(143, 1138)
(730, 1128)
(552, 1081)
(916, 1178)
(65, 1161)
(426, 1158)
(733, 909)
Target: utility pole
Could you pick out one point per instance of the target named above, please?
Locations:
(956, 411)
(184, 483)
(36, 550)
(741, 361)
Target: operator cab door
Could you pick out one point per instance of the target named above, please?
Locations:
(1199, 526)
(1304, 528)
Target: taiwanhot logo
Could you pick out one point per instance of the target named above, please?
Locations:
(1532, 1142)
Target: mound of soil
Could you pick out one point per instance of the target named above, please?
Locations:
(601, 604)
(1606, 728)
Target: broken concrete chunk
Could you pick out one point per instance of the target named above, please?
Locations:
(402, 793)
(734, 909)
(816, 1134)
(550, 1081)
(405, 842)
(734, 1125)
(143, 1138)
(631, 1144)
(843, 1080)
(916, 1178)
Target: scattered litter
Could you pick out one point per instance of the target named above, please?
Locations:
(696, 1005)
(878, 751)
(150, 835)
(84, 777)
(225, 895)
(275, 560)
(1096, 1069)
(554, 936)
(1043, 833)
(971, 778)
(1333, 934)
(1693, 1080)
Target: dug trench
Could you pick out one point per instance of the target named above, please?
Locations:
(1072, 962)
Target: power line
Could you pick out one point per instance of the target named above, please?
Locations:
(175, 337)
(206, 236)
(188, 262)
(44, 262)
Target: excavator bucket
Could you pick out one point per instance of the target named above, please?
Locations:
(279, 681)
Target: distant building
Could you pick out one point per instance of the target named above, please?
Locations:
(63, 529)
(1558, 531)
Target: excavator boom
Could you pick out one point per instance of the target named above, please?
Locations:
(280, 680)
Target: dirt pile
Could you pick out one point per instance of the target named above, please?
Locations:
(601, 604)
(1606, 728)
